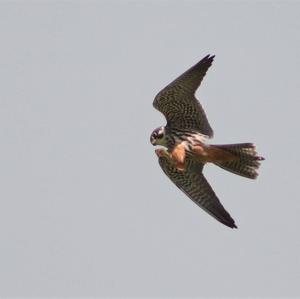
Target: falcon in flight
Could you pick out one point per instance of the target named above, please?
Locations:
(185, 140)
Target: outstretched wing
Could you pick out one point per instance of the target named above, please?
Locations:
(195, 186)
(178, 103)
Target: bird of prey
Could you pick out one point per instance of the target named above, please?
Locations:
(185, 143)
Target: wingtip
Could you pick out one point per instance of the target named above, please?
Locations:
(231, 225)
(209, 57)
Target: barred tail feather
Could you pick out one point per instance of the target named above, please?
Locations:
(247, 162)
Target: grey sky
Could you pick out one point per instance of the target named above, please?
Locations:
(85, 209)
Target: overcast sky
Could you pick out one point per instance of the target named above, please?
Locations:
(85, 209)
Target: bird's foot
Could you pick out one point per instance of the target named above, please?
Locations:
(161, 153)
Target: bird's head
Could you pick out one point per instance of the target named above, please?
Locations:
(158, 136)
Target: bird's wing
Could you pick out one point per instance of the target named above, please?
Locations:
(178, 103)
(193, 183)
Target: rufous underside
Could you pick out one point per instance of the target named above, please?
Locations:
(202, 153)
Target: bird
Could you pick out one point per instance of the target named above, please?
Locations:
(185, 145)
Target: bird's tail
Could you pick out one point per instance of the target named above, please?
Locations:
(246, 162)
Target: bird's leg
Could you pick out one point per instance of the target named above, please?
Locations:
(178, 156)
(161, 152)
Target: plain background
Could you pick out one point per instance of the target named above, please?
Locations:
(85, 210)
